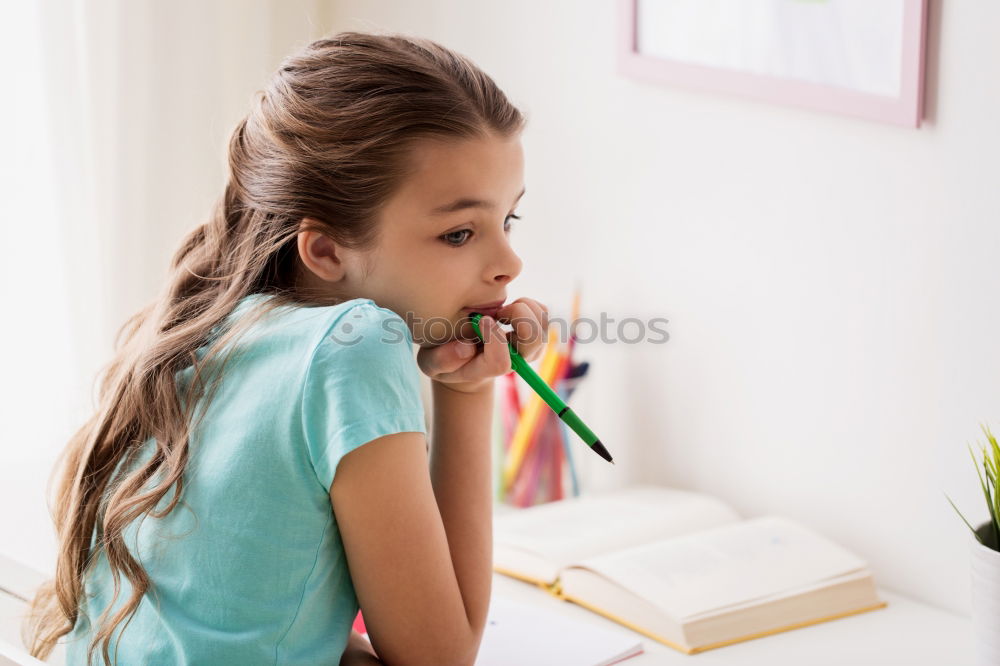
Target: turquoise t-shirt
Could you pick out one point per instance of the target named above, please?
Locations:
(249, 568)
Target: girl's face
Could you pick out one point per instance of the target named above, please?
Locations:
(444, 244)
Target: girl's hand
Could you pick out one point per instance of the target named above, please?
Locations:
(463, 365)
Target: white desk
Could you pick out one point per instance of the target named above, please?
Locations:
(905, 632)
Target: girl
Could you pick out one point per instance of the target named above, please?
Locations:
(258, 465)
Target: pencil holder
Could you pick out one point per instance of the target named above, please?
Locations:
(533, 447)
(547, 471)
(985, 569)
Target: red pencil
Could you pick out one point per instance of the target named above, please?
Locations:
(512, 395)
(535, 461)
(511, 412)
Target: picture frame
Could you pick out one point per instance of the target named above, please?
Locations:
(866, 59)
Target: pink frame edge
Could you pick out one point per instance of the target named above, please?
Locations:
(906, 109)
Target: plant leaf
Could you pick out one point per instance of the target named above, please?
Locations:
(971, 528)
(995, 466)
(992, 440)
(990, 485)
(986, 489)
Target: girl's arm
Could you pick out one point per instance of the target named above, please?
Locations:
(460, 463)
(417, 526)
(359, 652)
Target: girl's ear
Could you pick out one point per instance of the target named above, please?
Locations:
(319, 254)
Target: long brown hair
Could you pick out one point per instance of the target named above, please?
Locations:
(329, 139)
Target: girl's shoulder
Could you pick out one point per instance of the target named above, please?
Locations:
(366, 332)
(362, 319)
(360, 313)
(359, 325)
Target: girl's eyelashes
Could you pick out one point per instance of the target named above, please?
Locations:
(455, 239)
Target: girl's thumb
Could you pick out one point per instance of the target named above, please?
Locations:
(465, 349)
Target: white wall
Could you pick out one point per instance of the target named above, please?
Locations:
(831, 283)
(100, 181)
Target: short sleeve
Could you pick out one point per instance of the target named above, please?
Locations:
(361, 384)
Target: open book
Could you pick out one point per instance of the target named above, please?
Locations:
(682, 567)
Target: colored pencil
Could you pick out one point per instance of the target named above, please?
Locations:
(561, 363)
(533, 411)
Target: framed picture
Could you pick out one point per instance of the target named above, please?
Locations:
(863, 58)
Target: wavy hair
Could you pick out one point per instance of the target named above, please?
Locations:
(329, 139)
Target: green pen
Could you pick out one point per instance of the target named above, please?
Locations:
(550, 397)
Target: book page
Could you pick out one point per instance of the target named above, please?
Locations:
(725, 566)
(532, 635)
(828, 582)
(565, 531)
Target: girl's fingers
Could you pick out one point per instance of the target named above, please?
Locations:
(442, 360)
(522, 318)
(541, 312)
(530, 320)
(493, 361)
(496, 357)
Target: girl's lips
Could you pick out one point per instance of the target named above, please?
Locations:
(486, 309)
(492, 312)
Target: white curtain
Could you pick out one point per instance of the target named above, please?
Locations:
(116, 115)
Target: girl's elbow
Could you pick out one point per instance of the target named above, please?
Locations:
(456, 652)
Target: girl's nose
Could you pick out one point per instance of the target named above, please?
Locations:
(509, 266)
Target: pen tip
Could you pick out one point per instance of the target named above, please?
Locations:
(601, 451)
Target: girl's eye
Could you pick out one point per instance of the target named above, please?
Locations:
(456, 239)
(451, 239)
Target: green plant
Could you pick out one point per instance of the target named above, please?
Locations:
(989, 532)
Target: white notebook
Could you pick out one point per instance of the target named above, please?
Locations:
(529, 635)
